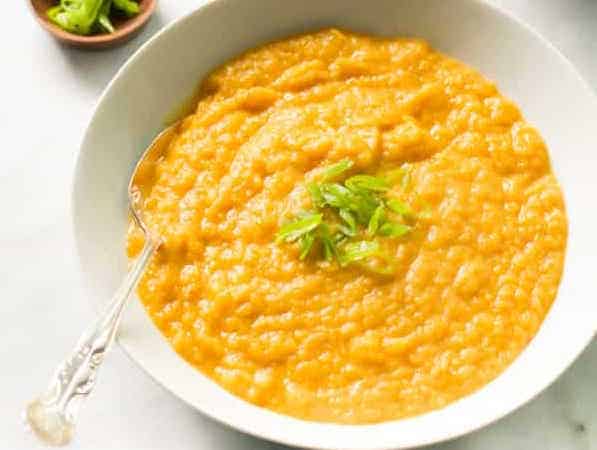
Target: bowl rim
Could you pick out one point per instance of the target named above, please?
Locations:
(565, 362)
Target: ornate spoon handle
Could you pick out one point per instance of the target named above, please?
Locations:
(52, 416)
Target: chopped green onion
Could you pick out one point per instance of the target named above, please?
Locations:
(59, 16)
(336, 195)
(129, 7)
(367, 183)
(376, 220)
(359, 200)
(364, 205)
(306, 243)
(339, 237)
(400, 208)
(394, 176)
(329, 246)
(104, 17)
(316, 196)
(294, 230)
(388, 267)
(399, 176)
(335, 170)
(105, 23)
(361, 203)
(392, 229)
(76, 16)
(85, 17)
(359, 250)
(351, 224)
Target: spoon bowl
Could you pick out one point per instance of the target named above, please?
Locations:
(125, 28)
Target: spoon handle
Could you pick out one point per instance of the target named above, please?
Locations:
(52, 416)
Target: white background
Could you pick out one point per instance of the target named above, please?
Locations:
(47, 94)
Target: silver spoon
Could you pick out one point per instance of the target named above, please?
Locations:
(52, 416)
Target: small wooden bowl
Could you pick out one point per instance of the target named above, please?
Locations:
(125, 28)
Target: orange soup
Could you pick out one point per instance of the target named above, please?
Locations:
(465, 287)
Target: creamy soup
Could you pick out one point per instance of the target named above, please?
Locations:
(467, 288)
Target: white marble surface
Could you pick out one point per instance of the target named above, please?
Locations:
(42, 309)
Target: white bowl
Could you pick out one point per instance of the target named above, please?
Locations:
(165, 72)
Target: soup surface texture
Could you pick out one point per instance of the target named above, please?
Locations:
(470, 284)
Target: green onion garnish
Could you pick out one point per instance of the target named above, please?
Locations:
(336, 195)
(327, 241)
(349, 216)
(400, 208)
(316, 195)
(359, 250)
(391, 229)
(295, 229)
(306, 243)
(367, 183)
(349, 228)
(335, 170)
(376, 220)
